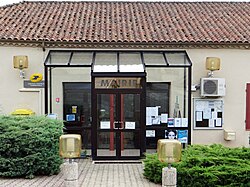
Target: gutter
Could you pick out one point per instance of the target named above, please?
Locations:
(124, 45)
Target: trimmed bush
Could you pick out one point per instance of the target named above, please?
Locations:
(202, 166)
(29, 146)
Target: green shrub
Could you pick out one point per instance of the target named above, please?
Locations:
(29, 146)
(202, 166)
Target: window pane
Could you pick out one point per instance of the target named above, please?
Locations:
(77, 110)
(130, 62)
(77, 102)
(81, 58)
(154, 59)
(158, 95)
(105, 62)
(176, 58)
(59, 58)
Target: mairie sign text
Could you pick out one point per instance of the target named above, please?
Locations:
(117, 82)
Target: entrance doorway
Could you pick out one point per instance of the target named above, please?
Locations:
(118, 126)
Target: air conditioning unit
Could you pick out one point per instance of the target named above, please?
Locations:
(213, 87)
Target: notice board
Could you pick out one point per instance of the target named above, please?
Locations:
(208, 113)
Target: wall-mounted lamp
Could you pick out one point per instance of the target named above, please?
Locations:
(212, 64)
(20, 62)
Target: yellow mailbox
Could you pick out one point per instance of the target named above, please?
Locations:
(23, 112)
(70, 145)
(169, 150)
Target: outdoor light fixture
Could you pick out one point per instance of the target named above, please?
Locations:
(169, 150)
(70, 146)
(212, 64)
(20, 62)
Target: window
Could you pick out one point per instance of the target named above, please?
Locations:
(157, 97)
(77, 110)
(77, 102)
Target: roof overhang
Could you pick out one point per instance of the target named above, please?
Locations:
(113, 61)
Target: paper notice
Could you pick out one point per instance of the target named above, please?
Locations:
(211, 123)
(164, 118)
(129, 125)
(207, 113)
(214, 115)
(184, 122)
(150, 133)
(152, 111)
(198, 116)
(156, 120)
(149, 120)
(177, 122)
(105, 125)
(218, 122)
(170, 122)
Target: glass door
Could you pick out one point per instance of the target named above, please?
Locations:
(118, 125)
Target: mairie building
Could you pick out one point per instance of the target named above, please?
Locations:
(125, 74)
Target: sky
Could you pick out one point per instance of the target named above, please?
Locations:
(7, 2)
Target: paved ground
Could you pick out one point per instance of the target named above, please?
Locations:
(91, 175)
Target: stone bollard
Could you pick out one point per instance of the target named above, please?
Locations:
(169, 177)
(70, 146)
(169, 150)
(70, 172)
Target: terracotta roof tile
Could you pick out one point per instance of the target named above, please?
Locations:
(128, 22)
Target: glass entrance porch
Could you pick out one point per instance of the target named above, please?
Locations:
(166, 90)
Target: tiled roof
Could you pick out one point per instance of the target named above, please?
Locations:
(127, 22)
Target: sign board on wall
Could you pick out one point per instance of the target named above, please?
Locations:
(208, 113)
(29, 84)
(36, 77)
(117, 82)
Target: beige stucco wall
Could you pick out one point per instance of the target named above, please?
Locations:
(61, 75)
(12, 94)
(234, 68)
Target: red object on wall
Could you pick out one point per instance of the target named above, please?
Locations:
(248, 107)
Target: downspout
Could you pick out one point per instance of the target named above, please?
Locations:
(43, 46)
(44, 94)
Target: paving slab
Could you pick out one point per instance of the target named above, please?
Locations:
(91, 174)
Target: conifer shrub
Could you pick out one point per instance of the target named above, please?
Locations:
(203, 165)
(29, 146)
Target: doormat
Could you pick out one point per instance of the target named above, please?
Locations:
(117, 162)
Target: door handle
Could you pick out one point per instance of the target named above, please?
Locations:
(118, 125)
(122, 125)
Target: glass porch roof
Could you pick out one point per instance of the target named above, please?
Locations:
(117, 61)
